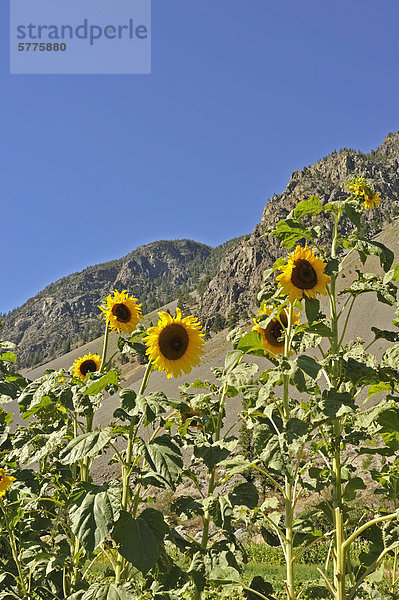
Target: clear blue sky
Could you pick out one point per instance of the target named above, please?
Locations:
(242, 92)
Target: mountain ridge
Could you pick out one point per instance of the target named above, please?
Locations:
(240, 273)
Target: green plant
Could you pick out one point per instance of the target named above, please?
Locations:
(325, 419)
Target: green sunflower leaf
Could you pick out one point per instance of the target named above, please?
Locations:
(378, 388)
(270, 537)
(304, 371)
(108, 591)
(131, 347)
(321, 329)
(295, 434)
(391, 336)
(275, 455)
(7, 345)
(96, 387)
(45, 444)
(267, 273)
(8, 356)
(152, 406)
(236, 465)
(87, 445)
(336, 404)
(232, 359)
(198, 383)
(392, 274)
(389, 422)
(128, 400)
(213, 454)
(187, 506)
(312, 309)
(370, 282)
(251, 343)
(258, 584)
(94, 513)
(391, 357)
(310, 206)
(367, 248)
(352, 487)
(332, 266)
(139, 540)
(242, 374)
(353, 215)
(8, 391)
(244, 494)
(45, 403)
(223, 575)
(280, 262)
(308, 365)
(165, 458)
(290, 231)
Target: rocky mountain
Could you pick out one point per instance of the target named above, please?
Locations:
(65, 314)
(240, 275)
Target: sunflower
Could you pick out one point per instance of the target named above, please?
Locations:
(194, 416)
(175, 344)
(121, 311)
(361, 188)
(273, 332)
(303, 275)
(371, 201)
(89, 363)
(5, 482)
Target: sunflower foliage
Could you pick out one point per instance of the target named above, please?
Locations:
(56, 520)
(218, 506)
(46, 456)
(313, 415)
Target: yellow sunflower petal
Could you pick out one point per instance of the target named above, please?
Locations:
(371, 201)
(272, 335)
(5, 482)
(363, 190)
(121, 311)
(303, 275)
(89, 363)
(175, 344)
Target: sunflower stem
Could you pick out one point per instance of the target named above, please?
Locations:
(74, 544)
(84, 477)
(84, 474)
(127, 469)
(14, 550)
(75, 434)
(339, 554)
(289, 496)
(105, 346)
(212, 483)
(346, 322)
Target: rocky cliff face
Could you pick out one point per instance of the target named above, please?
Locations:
(241, 271)
(66, 313)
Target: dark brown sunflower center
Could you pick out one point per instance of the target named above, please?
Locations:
(122, 313)
(173, 341)
(88, 366)
(274, 330)
(303, 275)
